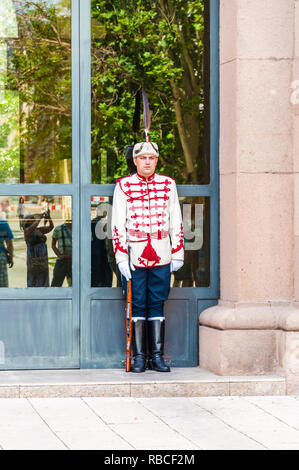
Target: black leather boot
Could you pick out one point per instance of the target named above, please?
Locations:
(156, 332)
(139, 345)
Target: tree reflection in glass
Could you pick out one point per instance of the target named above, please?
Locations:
(35, 91)
(162, 46)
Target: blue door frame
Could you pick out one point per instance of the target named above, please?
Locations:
(89, 321)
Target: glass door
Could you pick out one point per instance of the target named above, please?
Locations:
(39, 184)
(171, 50)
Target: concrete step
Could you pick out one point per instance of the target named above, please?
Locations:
(180, 382)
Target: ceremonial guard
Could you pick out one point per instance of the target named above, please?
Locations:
(148, 243)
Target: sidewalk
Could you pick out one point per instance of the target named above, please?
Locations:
(179, 423)
(188, 409)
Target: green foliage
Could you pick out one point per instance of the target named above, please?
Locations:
(39, 72)
(157, 45)
(9, 148)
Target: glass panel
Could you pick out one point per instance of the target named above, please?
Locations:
(163, 47)
(104, 272)
(35, 91)
(35, 241)
(196, 223)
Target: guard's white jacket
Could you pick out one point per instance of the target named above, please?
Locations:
(147, 221)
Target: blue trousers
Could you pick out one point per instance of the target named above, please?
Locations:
(150, 289)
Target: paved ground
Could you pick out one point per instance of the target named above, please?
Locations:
(180, 423)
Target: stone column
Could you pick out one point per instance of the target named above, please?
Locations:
(249, 331)
(289, 323)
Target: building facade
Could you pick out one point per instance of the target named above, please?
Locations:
(234, 308)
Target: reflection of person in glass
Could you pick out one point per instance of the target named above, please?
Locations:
(45, 204)
(101, 274)
(147, 225)
(188, 276)
(37, 252)
(21, 211)
(6, 252)
(4, 208)
(62, 247)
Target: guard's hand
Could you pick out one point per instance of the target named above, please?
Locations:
(175, 265)
(132, 266)
(124, 268)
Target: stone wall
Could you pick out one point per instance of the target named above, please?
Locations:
(254, 329)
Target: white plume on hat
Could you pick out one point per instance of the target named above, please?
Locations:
(145, 148)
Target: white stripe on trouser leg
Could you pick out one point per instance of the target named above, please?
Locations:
(138, 318)
(156, 318)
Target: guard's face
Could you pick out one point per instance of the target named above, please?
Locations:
(146, 164)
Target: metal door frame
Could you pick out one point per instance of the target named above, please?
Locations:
(200, 297)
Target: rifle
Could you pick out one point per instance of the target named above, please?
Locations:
(128, 325)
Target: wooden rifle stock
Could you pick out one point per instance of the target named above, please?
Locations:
(128, 325)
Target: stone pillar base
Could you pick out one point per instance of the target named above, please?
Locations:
(238, 352)
(251, 339)
(288, 352)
